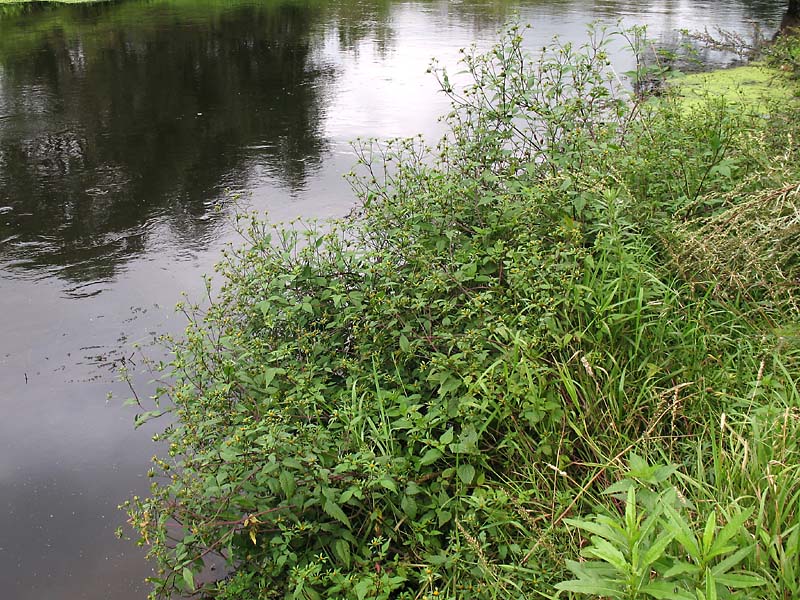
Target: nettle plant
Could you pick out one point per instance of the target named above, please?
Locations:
(655, 548)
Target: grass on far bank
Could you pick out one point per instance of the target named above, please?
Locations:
(558, 353)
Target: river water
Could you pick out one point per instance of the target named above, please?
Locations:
(125, 127)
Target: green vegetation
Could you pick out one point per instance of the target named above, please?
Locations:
(752, 87)
(558, 353)
(13, 2)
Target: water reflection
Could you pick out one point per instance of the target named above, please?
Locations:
(144, 120)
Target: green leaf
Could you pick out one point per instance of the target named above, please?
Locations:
(593, 588)
(269, 375)
(341, 549)
(708, 532)
(405, 346)
(146, 416)
(335, 511)
(466, 473)
(388, 484)
(188, 578)
(656, 551)
(603, 550)
(409, 506)
(711, 586)
(431, 456)
(630, 512)
(292, 463)
(727, 533)
(598, 527)
(412, 488)
(620, 486)
(447, 436)
(732, 561)
(287, 482)
(362, 588)
(681, 568)
(664, 590)
(677, 525)
(738, 581)
(637, 466)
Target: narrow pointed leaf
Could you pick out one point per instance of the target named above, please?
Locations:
(603, 550)
(708, 532)
(738, 581)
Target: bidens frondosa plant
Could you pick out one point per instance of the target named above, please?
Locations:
(411, 402)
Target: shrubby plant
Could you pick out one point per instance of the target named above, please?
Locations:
(409, 403)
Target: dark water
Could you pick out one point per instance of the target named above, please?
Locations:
(124, 129)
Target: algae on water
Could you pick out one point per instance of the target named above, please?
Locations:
(754, 87)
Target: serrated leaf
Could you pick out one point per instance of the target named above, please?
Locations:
(412, 488)
(292, 463)
(362, 588)
(334, 510)
(146, 416)
(663, 473)
(638, 466)
(269, 375)
(466, 473)
(621, 486)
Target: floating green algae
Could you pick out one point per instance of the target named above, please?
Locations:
(755, 87)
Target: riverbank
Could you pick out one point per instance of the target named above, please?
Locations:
(559, 351)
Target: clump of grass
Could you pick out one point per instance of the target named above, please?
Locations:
(751, 248)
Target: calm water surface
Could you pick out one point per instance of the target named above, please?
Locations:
(124, 128)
